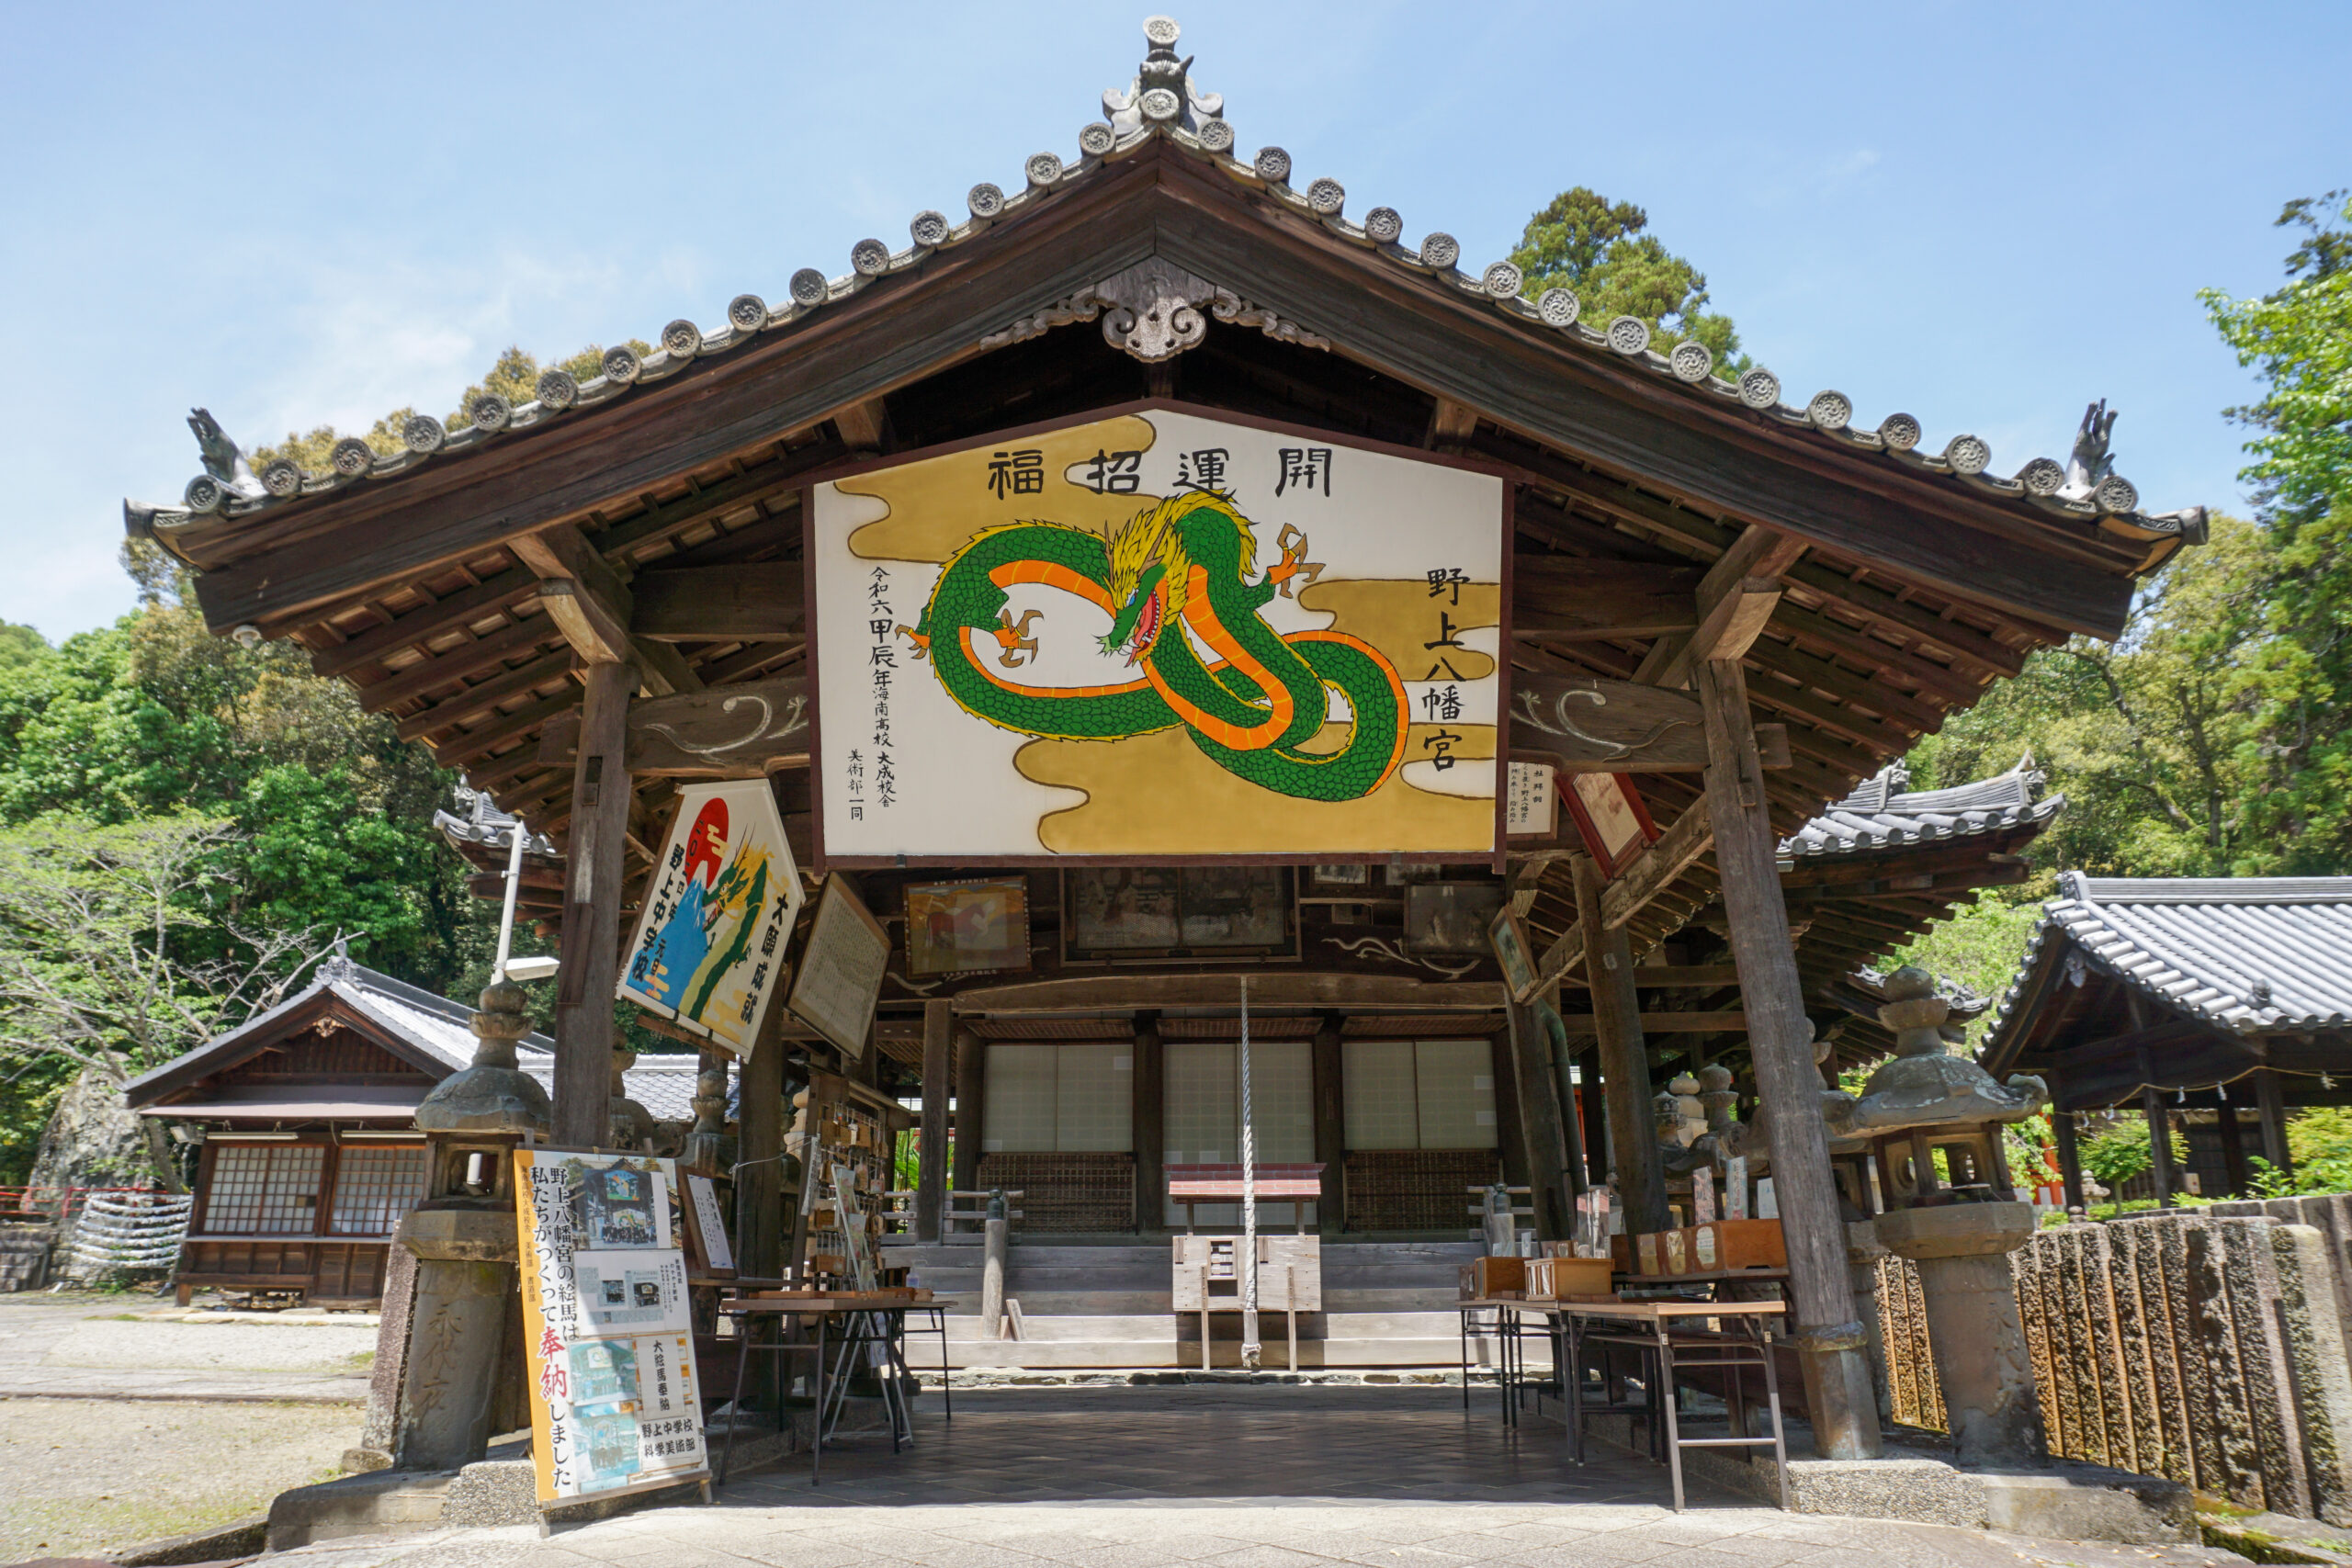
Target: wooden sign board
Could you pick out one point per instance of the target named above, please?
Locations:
(1007, 641)
(1514, 953)
(961, 928)
(706, 1227)
(711, 939)
(614, 1405)
(1610, 817)
(839, 977)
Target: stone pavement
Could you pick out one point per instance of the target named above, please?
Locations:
(1229, 1476)
(80, 1347)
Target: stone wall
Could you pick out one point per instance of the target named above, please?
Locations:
(2202, 1346)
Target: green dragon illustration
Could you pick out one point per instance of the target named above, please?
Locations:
(1184, 563)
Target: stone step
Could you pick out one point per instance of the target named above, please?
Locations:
(1383, 1352)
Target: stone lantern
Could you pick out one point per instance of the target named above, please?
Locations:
(1960, 1225)
(460, 1374)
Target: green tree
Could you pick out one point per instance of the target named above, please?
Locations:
(1602, 251)
(2298, 338)
(516, 378)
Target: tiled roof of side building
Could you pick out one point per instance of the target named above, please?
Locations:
(1163, 102)
(1882, 814)
(2250, 955)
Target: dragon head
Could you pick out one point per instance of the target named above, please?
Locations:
(1150, 566)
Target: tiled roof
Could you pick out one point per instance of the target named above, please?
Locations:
(2247, 954)
(1163, 103)
(443, 1031)
(1882, 815)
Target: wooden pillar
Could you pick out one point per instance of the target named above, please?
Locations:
(759, 1180)
(1826, 1331)
(2161, 1171)
(1510, 1117)
(1625, 1059)
(971, 1115)
(938, 1053)
(2070, 1155)
(2272, 1107)
(1148, 1096)
(2233, 1169)
(592, 914)
(1540, 1120)
(1331, 1128)
(1595, 1106)
(1555, 1050)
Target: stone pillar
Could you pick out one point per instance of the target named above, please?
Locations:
(708, 1150)
(1863, 1249)
(1825, 1328)
(1625, 1059)
(1990, 1404)
(931, 1177)
(455, 1358)
(595, 860)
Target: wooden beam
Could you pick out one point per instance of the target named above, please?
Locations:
(484, 653)
(750, 601)
(863, 426)
(488, 597)
(931, 1177)
(1692, 976)
(590, 624)
(483, 696)
(1656, 870)
(1126, 993)
(600, 796)
(1587, 724)
(721, 732)
(1838, 1389)
(1450, 424)
(1672, 1021)
(1735, 600)
(1618, 1024)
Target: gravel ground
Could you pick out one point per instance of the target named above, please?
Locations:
(86, 1478)
(251, 1347)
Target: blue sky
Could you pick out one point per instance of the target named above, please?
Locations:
(1982, 214)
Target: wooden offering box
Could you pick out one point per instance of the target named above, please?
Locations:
(1725, 1244)
(1569, 1279)
(1494, 1279)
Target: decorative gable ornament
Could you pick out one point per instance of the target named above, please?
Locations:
(1152, 312)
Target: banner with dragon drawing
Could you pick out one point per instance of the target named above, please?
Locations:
(1156, 634)
(710, 949)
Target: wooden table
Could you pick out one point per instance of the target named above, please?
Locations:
(1670, 1331)
(874, 1321)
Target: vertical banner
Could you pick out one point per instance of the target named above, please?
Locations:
(613, 1403)
(710, 941)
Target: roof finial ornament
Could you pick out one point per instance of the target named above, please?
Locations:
(2090, 461)
(1162, 92)
(224, 466)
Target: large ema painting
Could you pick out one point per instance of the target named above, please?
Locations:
(710, 948)
(1155, 635)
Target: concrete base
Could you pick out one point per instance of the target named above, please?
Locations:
(2067, 1501)
(502, 1489)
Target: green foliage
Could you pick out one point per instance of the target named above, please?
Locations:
(1978, 946)
(2298, 673)
(2124, 1151)
(2320, 1144)
(1602, 252)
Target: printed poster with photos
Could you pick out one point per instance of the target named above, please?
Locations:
(1154, 633)
(613, 1403)
(711, 942)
